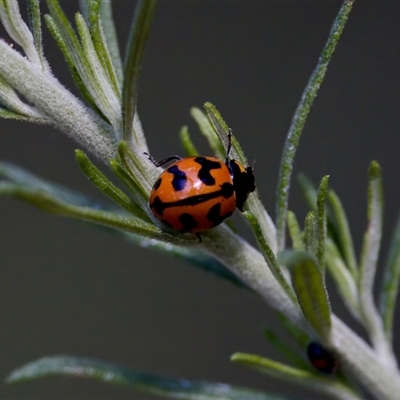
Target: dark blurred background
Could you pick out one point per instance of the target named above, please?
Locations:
(70, 288)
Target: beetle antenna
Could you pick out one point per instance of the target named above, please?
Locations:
(228, 149)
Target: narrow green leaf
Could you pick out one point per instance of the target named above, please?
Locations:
(390, 284)
(148, 383)
(344, 235)
(49, 203)
(107, 21)
(36, 29)
(321, 222)
(269, 256)
(369, 259)
(17, 29)
(188, 145)
(66, 31)
(294, 231)
(209, 133)
(200, 259)
(82, 58)
(311, 233)
(311, 380)
(107, 187)
(133, 167)
(100, 43)
(7, 114)
(15, 174)
(106, 98)
(12, 102)
(138, 35)
(57, 36)
(345, 281)
(219, 126)
(126, 178)
(300, 117)
(72, 50)
(373, 235)
(310, 289)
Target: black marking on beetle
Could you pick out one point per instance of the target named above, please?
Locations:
(321, 358)
(158, 205)
(206, 166)
(179, 180)
(214, 214)
(226, 191)
(243, 182)
(157, 184)
(188, 222)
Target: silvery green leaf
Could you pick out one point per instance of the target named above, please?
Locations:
(188, 145)
(310, 235)
(390, 284)
(345, 282)
(138, 35)
(11, 101)
(174, 388)
(321, 222)
(308, 283)
(209, 133)
(344, 235)
(36, 29)
(18, 30)
(102, 89)
(300, 117)
(312, 380)
(368, 264)
(100, 41)
(107, 187)
(295, 231)
(110, 34)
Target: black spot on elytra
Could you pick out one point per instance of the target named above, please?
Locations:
(214, 214)
(158, 205)
(188, 222)
(157, 184)
(206, 166)
(179, 179)
(227, 190)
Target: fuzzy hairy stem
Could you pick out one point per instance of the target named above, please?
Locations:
(65, 111)
(381, 379)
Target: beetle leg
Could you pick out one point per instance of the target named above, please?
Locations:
(164, 161)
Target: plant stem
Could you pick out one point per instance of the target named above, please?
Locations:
(299, 119)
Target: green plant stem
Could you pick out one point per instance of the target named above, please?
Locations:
(380, 378)
(50, 97)
(299, 119)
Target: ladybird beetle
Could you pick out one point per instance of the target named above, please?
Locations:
(321, 359)
(195, 194)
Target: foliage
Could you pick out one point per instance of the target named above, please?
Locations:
(291, 280)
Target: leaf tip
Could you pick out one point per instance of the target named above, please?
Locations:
(375, 170)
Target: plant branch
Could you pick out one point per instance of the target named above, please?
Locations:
(300, 117)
